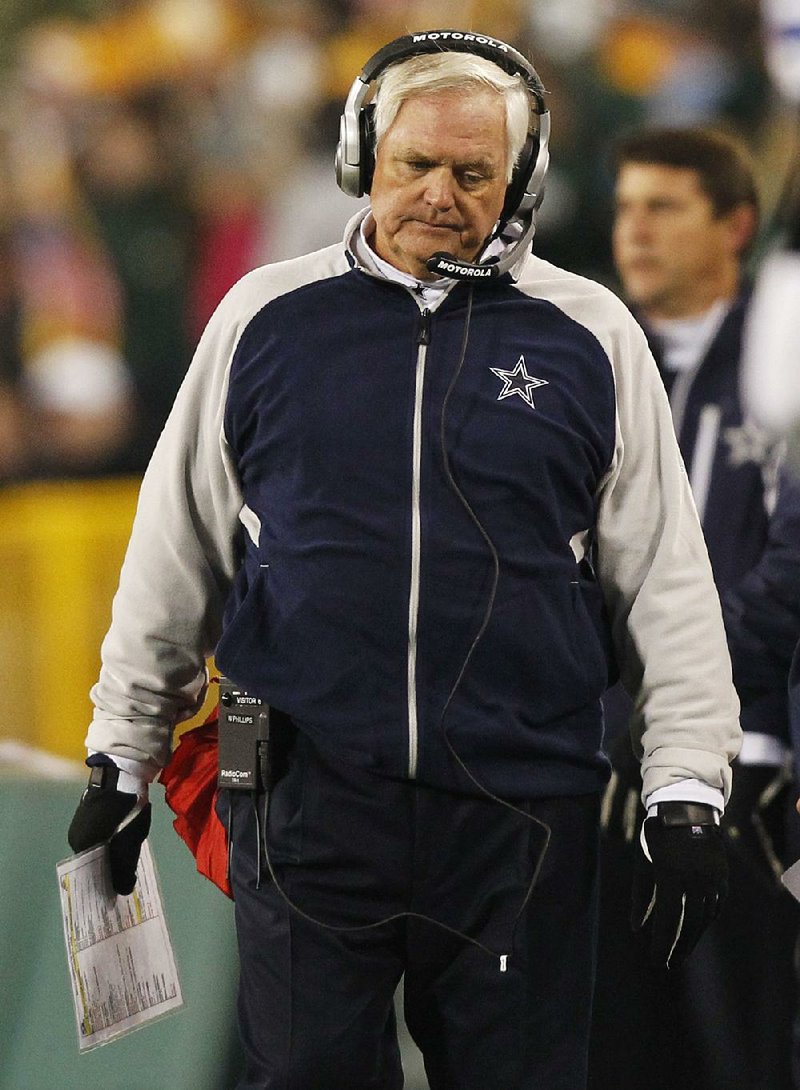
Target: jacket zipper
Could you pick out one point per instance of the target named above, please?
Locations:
(705, 449)
(423, 340)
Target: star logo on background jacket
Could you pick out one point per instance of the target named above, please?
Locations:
(748, 443)
(519, 382)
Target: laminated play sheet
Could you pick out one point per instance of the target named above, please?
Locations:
(121, 962)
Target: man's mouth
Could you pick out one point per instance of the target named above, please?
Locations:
(436, 226)
(641, 263)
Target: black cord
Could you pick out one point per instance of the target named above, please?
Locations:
(230, 844)
(257, 819)
(484, 622)
(405, 914)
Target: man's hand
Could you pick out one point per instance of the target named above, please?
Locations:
(679, 889)
(120, 817)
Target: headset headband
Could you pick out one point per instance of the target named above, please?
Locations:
(457, 41)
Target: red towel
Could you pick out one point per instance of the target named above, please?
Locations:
(190, 786)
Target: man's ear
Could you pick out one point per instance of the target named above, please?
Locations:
(743, 224)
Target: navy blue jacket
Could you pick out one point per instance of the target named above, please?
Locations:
(320, 519)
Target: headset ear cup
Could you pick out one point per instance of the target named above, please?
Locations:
(366, 135)
(339, 159)
(521, 177)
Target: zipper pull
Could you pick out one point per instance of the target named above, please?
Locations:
(424, 328)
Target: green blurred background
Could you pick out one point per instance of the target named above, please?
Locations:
(151, 152)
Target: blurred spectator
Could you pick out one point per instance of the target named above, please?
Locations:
(63, 304)
(131, 170)
(13, 426)
(250, 139)
(12, 410)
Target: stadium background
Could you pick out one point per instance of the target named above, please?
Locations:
(151, 151)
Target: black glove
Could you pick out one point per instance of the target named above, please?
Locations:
(679, 893)
(100, 813)
(754, 822)
(622, 812)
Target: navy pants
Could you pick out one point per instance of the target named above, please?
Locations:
(349, 848)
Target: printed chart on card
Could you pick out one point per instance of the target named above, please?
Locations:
(121, 962)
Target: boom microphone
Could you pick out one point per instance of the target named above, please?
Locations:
(444, 264)
(524, 224)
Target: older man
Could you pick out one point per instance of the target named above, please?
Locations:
(415, 488)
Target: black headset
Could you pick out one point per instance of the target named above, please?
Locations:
(355, 154)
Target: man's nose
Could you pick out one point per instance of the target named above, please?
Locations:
(440, 188)
(632, 225)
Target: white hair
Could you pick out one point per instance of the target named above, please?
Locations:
(428, 74)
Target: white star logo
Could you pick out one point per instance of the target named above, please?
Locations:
(748, 443)
(519, 382)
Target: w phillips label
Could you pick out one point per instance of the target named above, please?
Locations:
(243, 739)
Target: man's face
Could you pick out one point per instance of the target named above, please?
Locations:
(440, 178)
(674, 255)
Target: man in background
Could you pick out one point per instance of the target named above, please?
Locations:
(686, 214)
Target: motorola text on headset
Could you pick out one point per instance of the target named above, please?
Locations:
(355, 154)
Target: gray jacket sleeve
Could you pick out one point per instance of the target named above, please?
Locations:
(656, 575)
(652, 561)
(178, 568)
